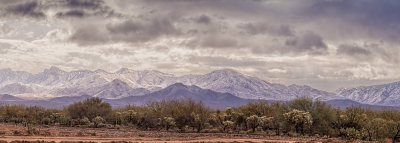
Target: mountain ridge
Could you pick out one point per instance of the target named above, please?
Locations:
(55, 82)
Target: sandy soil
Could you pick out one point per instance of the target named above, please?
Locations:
(74, 134)
(145, 140)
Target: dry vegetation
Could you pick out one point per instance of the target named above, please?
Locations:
(301, 120)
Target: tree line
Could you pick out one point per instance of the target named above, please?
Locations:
(299, 117)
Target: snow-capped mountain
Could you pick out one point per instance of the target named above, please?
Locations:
(125, 82)
(248, 87)
(385, 94)
(7, 76)
(15, 88)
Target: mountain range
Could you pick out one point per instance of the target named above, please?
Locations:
(126, 86)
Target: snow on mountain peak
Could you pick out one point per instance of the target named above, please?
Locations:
(384, 94)
(225, 72)
(56, 82)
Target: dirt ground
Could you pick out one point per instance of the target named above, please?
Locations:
(18, 133)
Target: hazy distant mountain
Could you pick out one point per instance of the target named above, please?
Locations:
(176, 91)
(385, 94)
(6, 97)
(54, 82)
(180, 91)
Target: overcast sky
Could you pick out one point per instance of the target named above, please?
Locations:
(326, 44)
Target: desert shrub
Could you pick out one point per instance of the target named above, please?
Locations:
(253, 122)
(98, 121)
(89, 108)
(85, 121)
(302, 104)
(185, 112)
(167, 122)
(147, 121)
(323, 118)
(260, 108)
(46, 121)
(301, 120)
(351, 133)
(64, 120)
(267, 122)
(32, 131)
(228, 125)
(301, 116)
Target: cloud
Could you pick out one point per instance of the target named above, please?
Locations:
(308, 42)
(213, 42)
(88, 35)
(5, 29)
(203, 19)
(84, 8)
(93, 4)
(128, 31)
(72, 13)
(4, 48)
(117, 52)
(352, 50)
(302, 41)
(264, 28)
(30, 9)
(368, 18)
(218, 61)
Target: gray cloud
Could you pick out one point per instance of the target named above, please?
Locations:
(308, 42)
(368, 18)
(263, 28)
(203, 19)
(352, 50)
(63, 8)
(84, 8)
(94, 4)
(217, 42)
(224, 62)
(30, 9)
(88, 35)
(72, 13)
(128, 31)
(292, 36)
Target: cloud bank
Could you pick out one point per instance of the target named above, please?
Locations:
(323, 43)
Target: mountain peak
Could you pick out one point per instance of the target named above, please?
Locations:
(124, 71)
(100, 71)
(226, 72)
(6, 70)
(53, 69)
(178, 84)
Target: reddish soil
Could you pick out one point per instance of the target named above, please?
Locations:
(18, 133)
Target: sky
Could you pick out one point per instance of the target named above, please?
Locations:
(327, 44)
